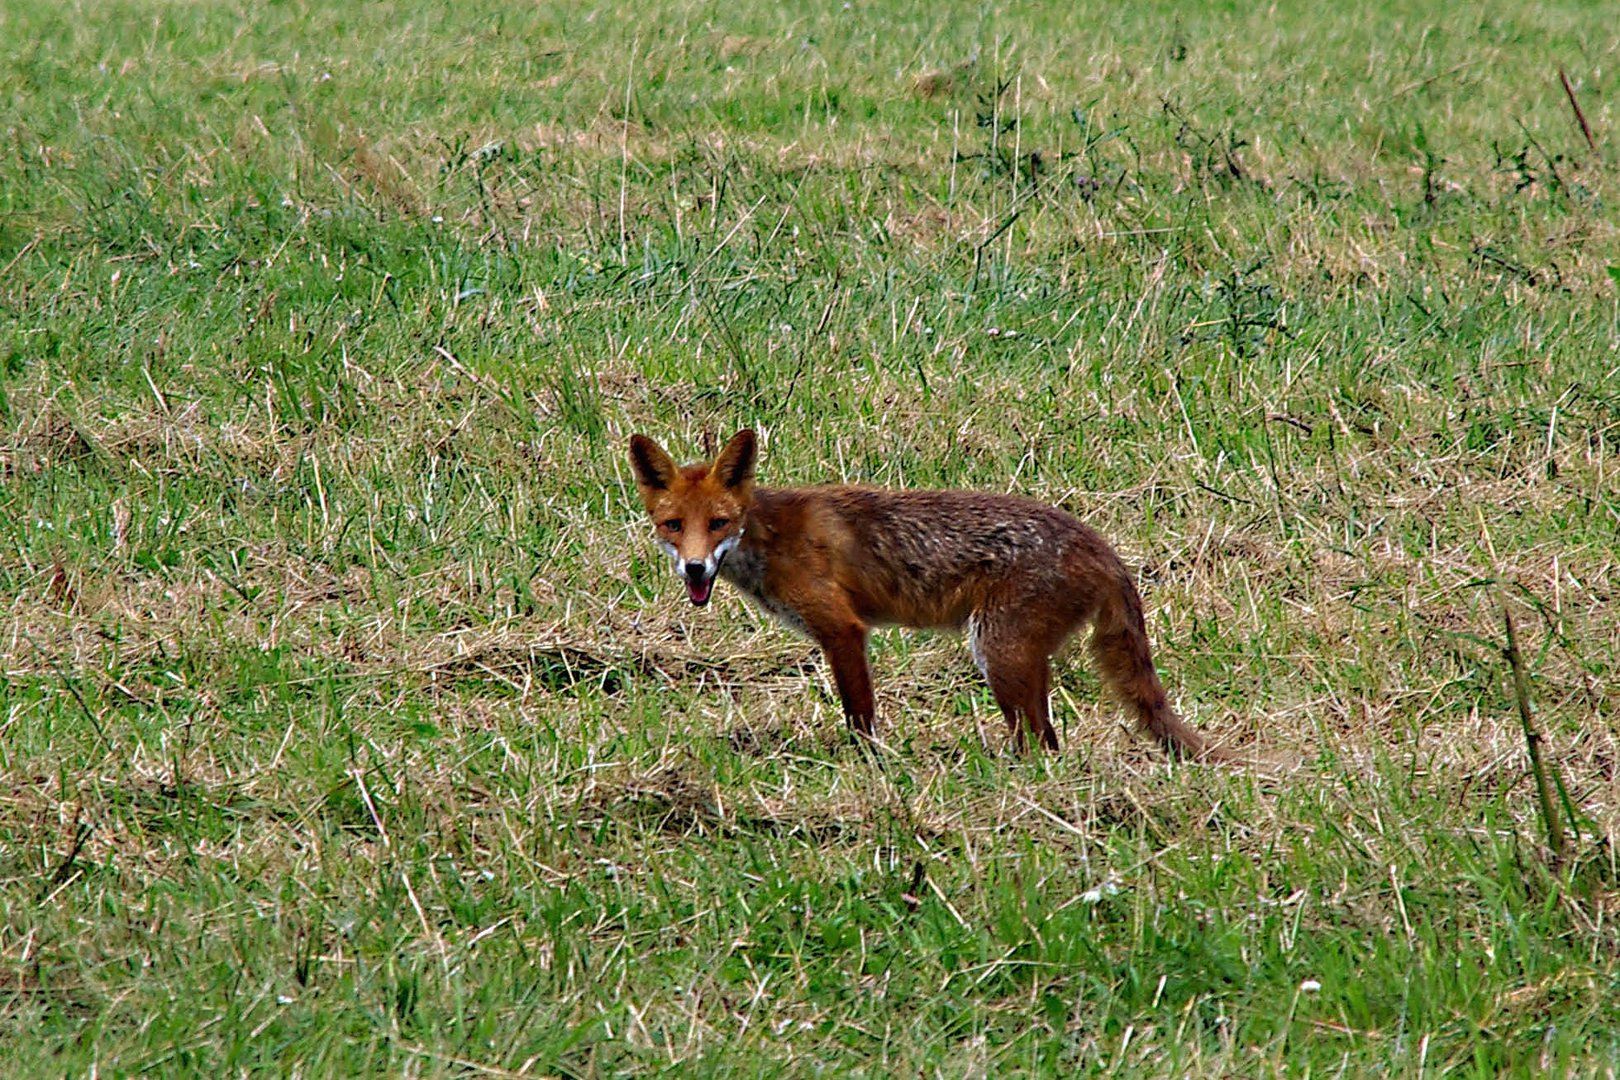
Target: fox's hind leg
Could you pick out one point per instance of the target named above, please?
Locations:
(1015, 661)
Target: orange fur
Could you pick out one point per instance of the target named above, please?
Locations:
(833, 562)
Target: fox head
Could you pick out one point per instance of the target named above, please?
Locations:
(698, 511)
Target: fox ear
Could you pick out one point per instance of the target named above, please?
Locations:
(735, 465)
(654, 469)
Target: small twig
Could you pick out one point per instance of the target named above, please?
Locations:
(1286, 419)
(1219, 494)
(81, 836)
(1532, 741)
(913, 895)
(1580, 117)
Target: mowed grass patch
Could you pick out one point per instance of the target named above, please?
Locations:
(352, 724)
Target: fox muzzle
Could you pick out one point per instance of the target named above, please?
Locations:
(698, 575)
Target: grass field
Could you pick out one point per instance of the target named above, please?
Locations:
(352, 724)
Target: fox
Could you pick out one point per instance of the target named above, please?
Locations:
(832, 562)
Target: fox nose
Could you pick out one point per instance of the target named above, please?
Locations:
(693, 571)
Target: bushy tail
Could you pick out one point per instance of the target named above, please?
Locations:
(1120, 645)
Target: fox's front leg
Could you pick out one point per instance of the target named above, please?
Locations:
(845, 646)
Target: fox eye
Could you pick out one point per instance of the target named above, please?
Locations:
(672, 525)
(716, 524)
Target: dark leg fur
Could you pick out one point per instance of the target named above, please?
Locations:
(846, 652)
(1020, 676)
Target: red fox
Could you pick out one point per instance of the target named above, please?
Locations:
(831, 562)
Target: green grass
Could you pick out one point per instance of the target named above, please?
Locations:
(350, 722)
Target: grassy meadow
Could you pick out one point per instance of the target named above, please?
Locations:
(351, 724)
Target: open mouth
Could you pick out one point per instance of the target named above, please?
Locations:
(699, 591)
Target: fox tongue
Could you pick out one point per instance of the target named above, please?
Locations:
(699, 591)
